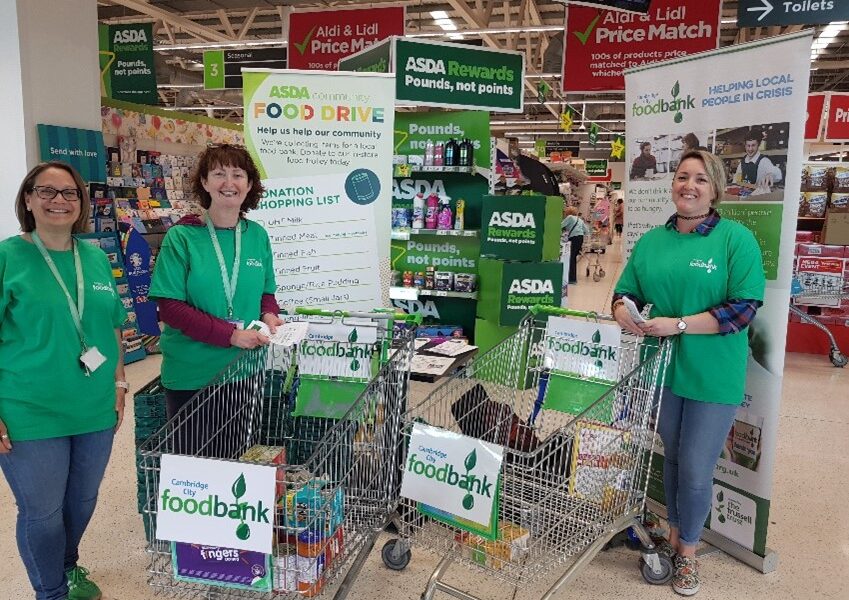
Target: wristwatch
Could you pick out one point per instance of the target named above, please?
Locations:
(682, 326)
(123, 385)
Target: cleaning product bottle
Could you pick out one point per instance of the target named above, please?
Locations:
(428, 157)
(464, 154)
(432, 211)
(418, 211)
(446, 218)
(451, 152)
(438, 154)
(460, 217)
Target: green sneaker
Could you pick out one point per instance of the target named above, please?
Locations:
(79, 586)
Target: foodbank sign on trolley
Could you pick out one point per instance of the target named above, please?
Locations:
(216, 503)
(454, 478)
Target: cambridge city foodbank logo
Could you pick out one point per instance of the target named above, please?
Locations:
(213, 506)
(677, 104)
(469, 482)
(708, 266)
(338, 350)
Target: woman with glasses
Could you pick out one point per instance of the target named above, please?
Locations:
(62, 380)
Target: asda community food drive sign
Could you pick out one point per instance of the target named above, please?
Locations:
(453, 477)
(216, 503)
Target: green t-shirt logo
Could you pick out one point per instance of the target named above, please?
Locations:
(709, 266)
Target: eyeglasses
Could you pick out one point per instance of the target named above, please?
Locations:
(45, 192)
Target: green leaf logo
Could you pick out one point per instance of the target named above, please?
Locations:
(676, 89)
(721, 518)
(471, 460)
(678, 117)
(596, 336)
(720, 496)
(239, 487)
(599, 364)
(353, 337)
(243, 532)
(468, 502)
(355, 365)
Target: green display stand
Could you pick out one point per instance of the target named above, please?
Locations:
(523, 228)
(509, 289)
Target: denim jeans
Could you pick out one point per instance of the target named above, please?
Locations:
(693, 434)
(55, 483)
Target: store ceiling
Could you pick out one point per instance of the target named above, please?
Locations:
(180, 22)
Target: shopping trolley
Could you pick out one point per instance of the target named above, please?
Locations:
(569, 483)
(824, 290)
(594, 246)
(332, 437)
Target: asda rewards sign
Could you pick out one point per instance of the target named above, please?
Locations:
(454, 474)
(512, 230)
(527, 284)
(459, 76)
(216, 503)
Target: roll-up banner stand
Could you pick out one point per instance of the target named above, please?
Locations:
(719, 97)
(323, 144)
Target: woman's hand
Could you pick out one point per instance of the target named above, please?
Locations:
(273, 322)
(5, 442)
(120, 397)
(247, 339)
(660, 327)
(623, 317)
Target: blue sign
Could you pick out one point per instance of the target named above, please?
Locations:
(137, 264)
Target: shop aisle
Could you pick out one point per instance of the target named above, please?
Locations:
(808, 528)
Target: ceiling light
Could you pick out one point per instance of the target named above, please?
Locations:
(826, 37)
(456, 36)
(439, 14)
(214, 45)
(446, 24)
(528, 29)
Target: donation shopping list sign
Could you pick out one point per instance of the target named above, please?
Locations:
(323, 144)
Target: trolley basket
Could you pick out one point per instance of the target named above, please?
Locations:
(828, 288)
(575, 420)
(325, 412)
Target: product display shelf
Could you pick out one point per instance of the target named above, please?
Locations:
(404, 234)
(444, 169)
(413, 293)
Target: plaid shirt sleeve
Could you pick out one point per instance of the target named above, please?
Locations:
(735, 315)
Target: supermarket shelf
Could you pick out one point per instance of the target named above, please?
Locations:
(443, 169)
(404, 234)
(412, 293)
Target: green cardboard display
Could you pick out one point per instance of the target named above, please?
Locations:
(508, 289)
(525, 228)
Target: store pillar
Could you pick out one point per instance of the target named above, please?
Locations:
(49, 74)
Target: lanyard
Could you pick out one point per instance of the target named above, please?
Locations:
(229, 284)
(76, 309)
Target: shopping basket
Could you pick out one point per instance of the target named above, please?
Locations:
(337, 478)
(823, 290)
(568, 483)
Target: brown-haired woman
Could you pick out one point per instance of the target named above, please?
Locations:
(213, 276)
(61, 377)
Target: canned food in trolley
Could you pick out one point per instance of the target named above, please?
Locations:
(540, 452)
(313, 427)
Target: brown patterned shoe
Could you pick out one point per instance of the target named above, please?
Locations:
(686, 580)
(664, 548)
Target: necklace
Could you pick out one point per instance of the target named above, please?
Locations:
(696, 218)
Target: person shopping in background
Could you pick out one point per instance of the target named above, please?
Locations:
(62, 382)
(214, 274)
(574, 229)
(619, 216)
(704, 277)
(756, 170)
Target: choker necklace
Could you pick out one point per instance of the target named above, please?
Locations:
(696, 218)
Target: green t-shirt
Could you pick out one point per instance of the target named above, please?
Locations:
(43, 391)
(685, 274)
(187, 270)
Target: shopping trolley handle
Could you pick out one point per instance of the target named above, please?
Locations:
(378, 313)
(556, 311)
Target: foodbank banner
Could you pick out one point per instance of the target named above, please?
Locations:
(126, 63)
(721, 98)
(323, 145)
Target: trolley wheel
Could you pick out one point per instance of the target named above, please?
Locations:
(601, 273)
(838, 359)
(588, 270)
(398, 563)
(666, 571)
(597, 277)
(603, 250)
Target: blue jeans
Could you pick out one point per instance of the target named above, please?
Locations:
(693, 434)
(55, 483)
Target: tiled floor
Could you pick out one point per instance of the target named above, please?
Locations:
(809, 528)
